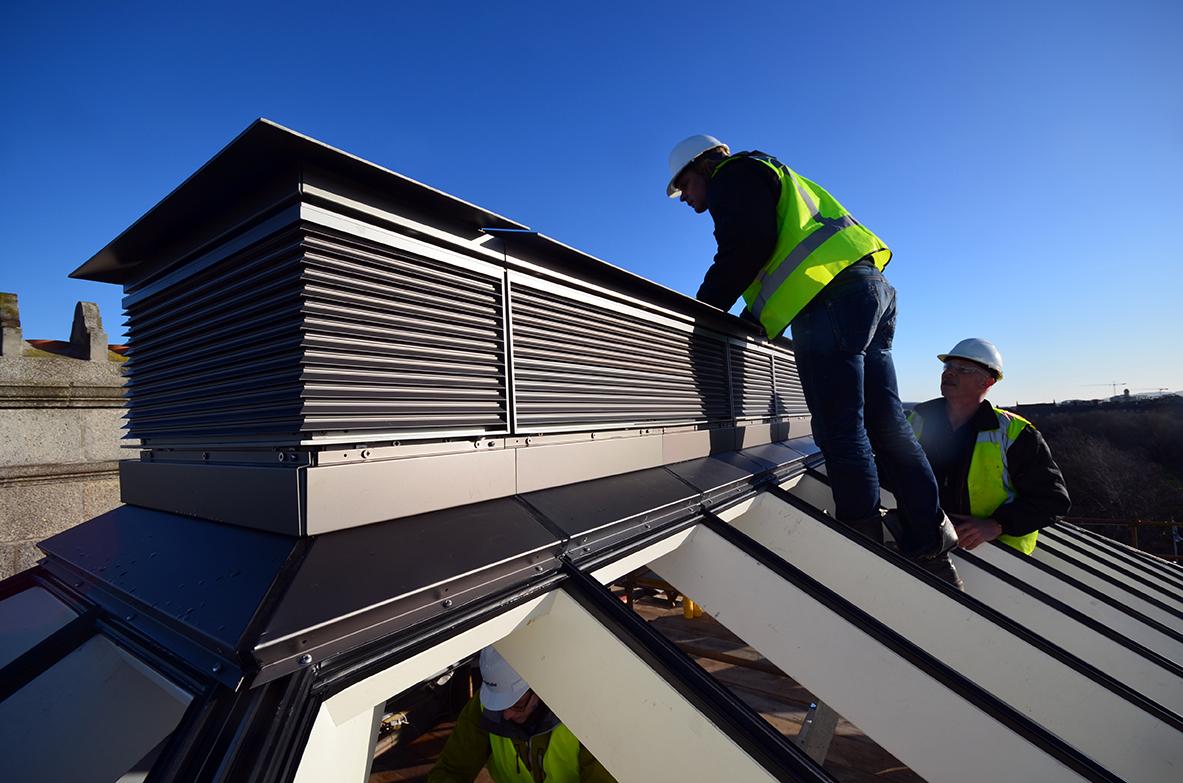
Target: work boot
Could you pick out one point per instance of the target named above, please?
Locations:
(942, 567)
(944, 541)
(871, 527)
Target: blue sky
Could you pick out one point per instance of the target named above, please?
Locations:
(1024, 160)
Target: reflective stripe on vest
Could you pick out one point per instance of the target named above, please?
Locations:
(816, 239)
(560, 763)
(989, 482)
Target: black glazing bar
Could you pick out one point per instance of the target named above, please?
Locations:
(1071, 556)
(758, 739)
(1090, 591)
(913, 654)
(387, 652)
(1074, 614)
(1117, 564)
(999, 619)
(1158, 564)
(46, 654)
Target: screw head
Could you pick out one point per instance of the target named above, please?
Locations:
(365, 453)
(217, 667)
(447, 603)
(305, 659)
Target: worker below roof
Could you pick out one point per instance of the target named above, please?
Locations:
(995, 472)
(509, 730)
(798, 257)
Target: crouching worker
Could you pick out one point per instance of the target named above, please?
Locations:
(997, 478)
(509, 730)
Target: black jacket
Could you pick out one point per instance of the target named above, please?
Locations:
(742, 199)
(1041, 495)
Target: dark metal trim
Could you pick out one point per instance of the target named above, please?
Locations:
(1146, 559)
(1072, 613)
(915, 655)
(993, 615)
(755, 736)
(1069, 557)
(1120, 565)
(1091, 592)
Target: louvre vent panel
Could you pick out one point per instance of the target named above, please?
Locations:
(790, 399)
(579, 364)
(751, 382)
(292, 341)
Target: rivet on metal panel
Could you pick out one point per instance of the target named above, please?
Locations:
(527, 441)
(217, 667)
(130, 617)
(305, 659)
(538, 568)
(283, 457)
(365, 453)
(447, 603)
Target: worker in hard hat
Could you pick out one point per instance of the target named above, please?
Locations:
(996, 475)
(798, 257)
(507, 729)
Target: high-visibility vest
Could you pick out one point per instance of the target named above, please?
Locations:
(560, 762)
(989, 483)
(816, 239)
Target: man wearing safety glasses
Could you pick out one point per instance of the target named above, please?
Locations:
(996, 475)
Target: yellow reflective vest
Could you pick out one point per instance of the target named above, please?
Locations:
(989, 483)
(558, 758)
(816, 239)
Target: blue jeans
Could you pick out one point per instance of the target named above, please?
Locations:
(842, 340)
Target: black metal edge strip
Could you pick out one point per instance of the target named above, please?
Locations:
(46, 654)
(1090, 591)
(994, 616)
(1050, 548)
(755, 736)
(336, 674)
(1120, 562)
(1159, 564)
(156, 638)
(1020, 724)
(1074, 614)
(342, 635)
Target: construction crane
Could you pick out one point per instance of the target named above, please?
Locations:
(1114, 384)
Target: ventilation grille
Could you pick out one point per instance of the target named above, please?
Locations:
(315, 336)
(577, 364)
(790, 400)
(751, 383)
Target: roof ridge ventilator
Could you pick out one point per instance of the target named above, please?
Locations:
(317, 343)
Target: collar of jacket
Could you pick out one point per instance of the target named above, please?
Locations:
(984, 417)
(542, 721)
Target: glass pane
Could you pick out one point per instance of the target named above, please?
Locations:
(89, 718)
(28, 618)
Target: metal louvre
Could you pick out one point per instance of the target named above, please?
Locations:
(790, 399)
(579, 364)
(751, 383)
(310, 334)
(399, 344)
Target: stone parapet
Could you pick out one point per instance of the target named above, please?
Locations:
(61, 416)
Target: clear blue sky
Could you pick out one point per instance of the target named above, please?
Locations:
(1024, 160)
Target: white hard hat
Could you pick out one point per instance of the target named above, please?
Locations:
(977, 350)
(683, 155)
(501, 686)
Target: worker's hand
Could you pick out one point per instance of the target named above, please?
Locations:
(973, 532)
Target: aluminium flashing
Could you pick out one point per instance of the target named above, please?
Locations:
(293, 497)
(261, 152)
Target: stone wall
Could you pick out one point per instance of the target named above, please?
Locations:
(61, 409)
